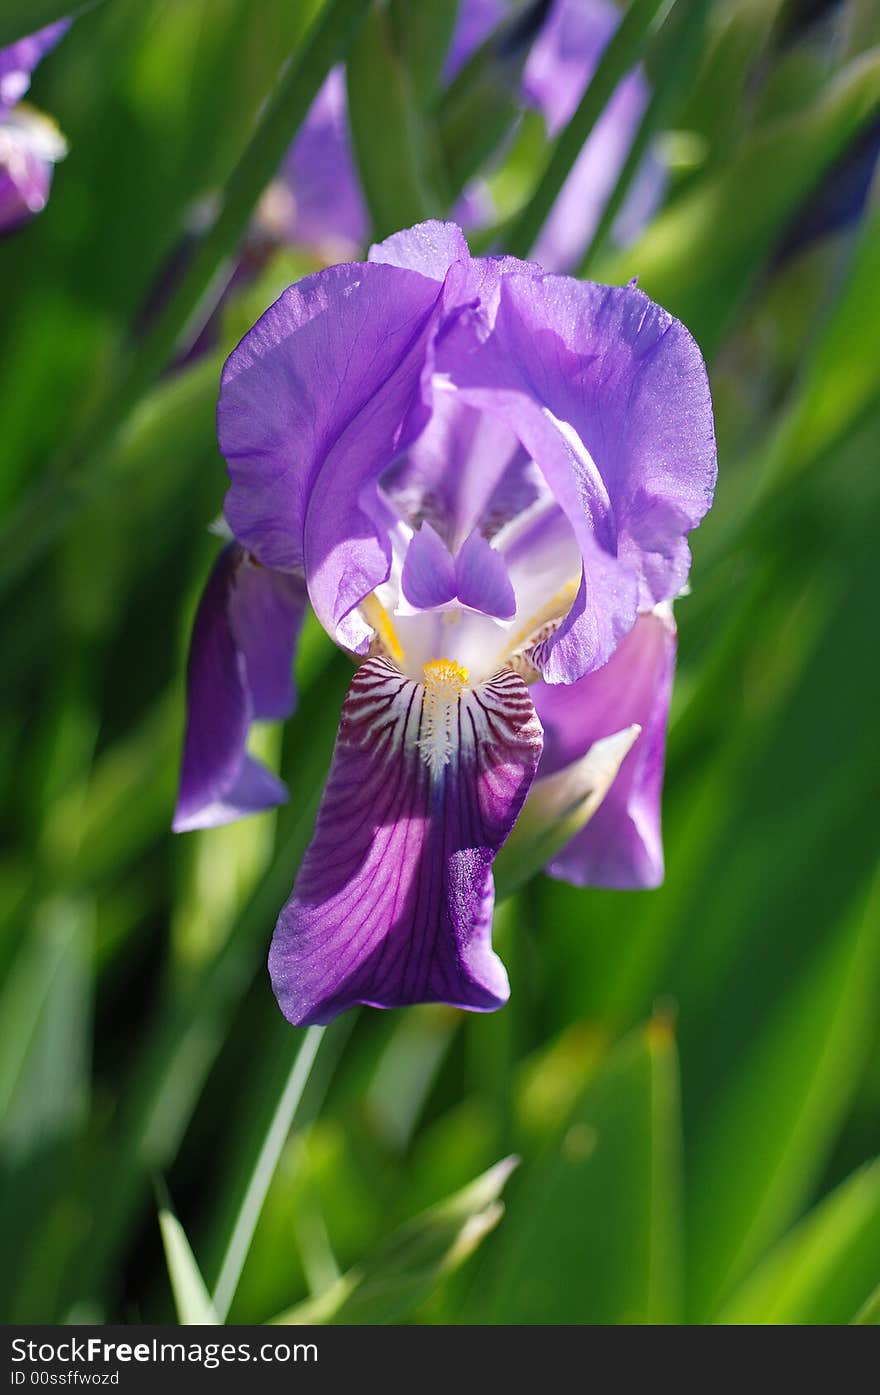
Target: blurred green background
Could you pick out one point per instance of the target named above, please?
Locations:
(690, 1076)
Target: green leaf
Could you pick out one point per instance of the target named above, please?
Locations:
(46, 1012)
(422, 35)
(481, 105)
(388, 133)
(820, 1272)
(869, 1313)
(623, 51)
(411, 1263)
(258, 1185)
(772, 1123)
(702, 255)
(593, 1234)
(21, 17)
(191, 1297)
(842, 369)
(680, 43)
(56, 501)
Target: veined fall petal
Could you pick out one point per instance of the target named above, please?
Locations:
(393, 902)
(239, 670)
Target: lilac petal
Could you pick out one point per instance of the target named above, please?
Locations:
(483, 582)
(315, 403)
(242, 647)
(25, 181)
(621, 846)
(428, 578)
(609, 395)
(18, 61)
(393, 902)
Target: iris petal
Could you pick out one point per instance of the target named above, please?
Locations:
(621, 846)
(240, 658)
(393, 902)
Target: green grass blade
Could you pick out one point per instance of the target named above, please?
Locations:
(252, 1204)
(740, 212)
(869, 1313)
(390, 140)
(773, 1121)
(408, 1266)
(44, 514)
(594, 1234)
(684, 36)
(820, 1272)
(191, 1297)
(623, 51)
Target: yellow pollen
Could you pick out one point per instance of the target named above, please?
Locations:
(445, 682)
(376, 615)
(444, 678)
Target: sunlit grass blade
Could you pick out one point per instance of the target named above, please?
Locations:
(191, 1297)
(480, 107)
(774, 1120)
(682, 42)
(623, 51)
(842, 369)
(252, 1203)
(45, 513)
(702, 256)
(820, 1272)
(409, 1265)
(869, 1313)
(593, 1235)
(398, 172)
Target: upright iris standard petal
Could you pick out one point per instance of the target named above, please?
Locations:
(314, 404)
(621, 846)
(393, 902)
(239, 670)
(608, 394)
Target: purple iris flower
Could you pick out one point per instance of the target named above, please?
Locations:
(30, 144)
(318, 201)
(481, 477)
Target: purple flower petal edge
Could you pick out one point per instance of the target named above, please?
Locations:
(239, 669)
(621, 847)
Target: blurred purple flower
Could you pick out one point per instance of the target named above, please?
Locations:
(481, 477)
(318, 201)
(30, 144)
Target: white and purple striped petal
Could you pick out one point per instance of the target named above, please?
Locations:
(393, 902)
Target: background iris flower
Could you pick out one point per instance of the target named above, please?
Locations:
(30, 144)
(552, 53)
